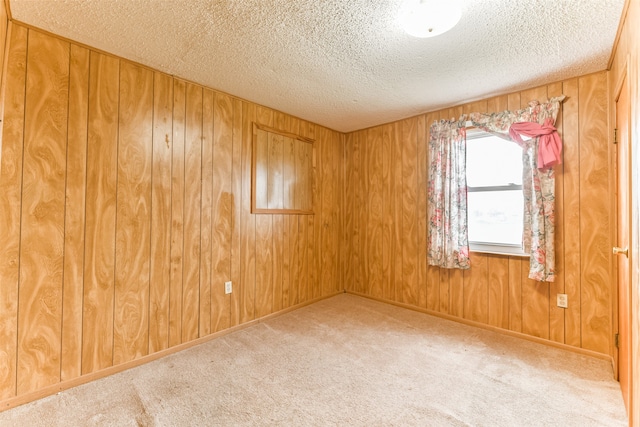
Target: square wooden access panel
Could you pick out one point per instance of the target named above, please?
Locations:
(282, 172)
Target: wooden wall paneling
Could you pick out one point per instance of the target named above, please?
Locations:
(535, 304)
(535, 295)
(326, 267)
(160, 265)
(571, 210)
(433, 272)
(289, 171)
(444, 294)
(375, 203)
(421, 189)
(363, 214)
(192, 213)
(275, 183)
(387, 211)
(288, 125)
(409, 212)
(354, 181)
(556, 314)
(497, 104)
(291, 274)
(10, 206)
(76, 169)
(237, 188)
(100, 226)
(177, 213)
(206, 232)
(4, 34)
(337, 209)
(133, 214)
(260, 166)
(276, 153)
(302, 276)
(456, 292)
(264, 230)
(498, 282)
(515, 294)
(595, 241)
(498, 288)
(476, 295)
(222, 215)
(264, 265)
(247, 222)
(160, 213)
(42, 222)
(396, 211)
(314, 162)
(350, 228)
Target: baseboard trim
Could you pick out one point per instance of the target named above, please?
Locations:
(13, 402)
(467, 322)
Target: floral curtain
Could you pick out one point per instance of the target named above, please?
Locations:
(448, 244)
(538, 181)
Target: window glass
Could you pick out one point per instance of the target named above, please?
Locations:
(495, 201)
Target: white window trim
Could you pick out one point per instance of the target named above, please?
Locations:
(485, 247)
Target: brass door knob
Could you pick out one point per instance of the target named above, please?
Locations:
(621, 251)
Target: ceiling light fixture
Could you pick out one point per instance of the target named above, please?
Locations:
(429, 18)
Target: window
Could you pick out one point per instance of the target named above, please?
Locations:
(494, 200)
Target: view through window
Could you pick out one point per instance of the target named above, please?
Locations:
(494, 198)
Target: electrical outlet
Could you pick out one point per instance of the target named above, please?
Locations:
(228, 287)
(562, 301)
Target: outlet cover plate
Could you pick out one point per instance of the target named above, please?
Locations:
(228, 287)
(563, 301)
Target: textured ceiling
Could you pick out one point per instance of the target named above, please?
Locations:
(344, 64)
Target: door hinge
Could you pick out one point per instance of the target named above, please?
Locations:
(615, 136)
(616, 338)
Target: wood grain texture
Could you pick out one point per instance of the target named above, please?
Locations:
(556, 314)
(387, 208)
(236, 205)
(476, 294)
(100, 226)
(409, 212)
(247, 222)
(515, 294)
(535, 297)
(595, 241)
(10, 207)
(264, 223)
(571, 211)
(349, 232)
(498, 289)
(42, 222)
(133, 221)
(146, 216)
(71, 358)
(160, 264)
(397, 215)
(177, 213)
(375, 203)
(421, 189)
(206, 203)
(260, 168)
(625, 62)
(222, 211)
(192, 213)
(275, 189)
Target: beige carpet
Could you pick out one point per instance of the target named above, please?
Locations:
(347, 361)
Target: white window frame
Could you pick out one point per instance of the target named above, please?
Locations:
(489, 247)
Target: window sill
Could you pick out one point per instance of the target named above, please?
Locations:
(496, 249)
